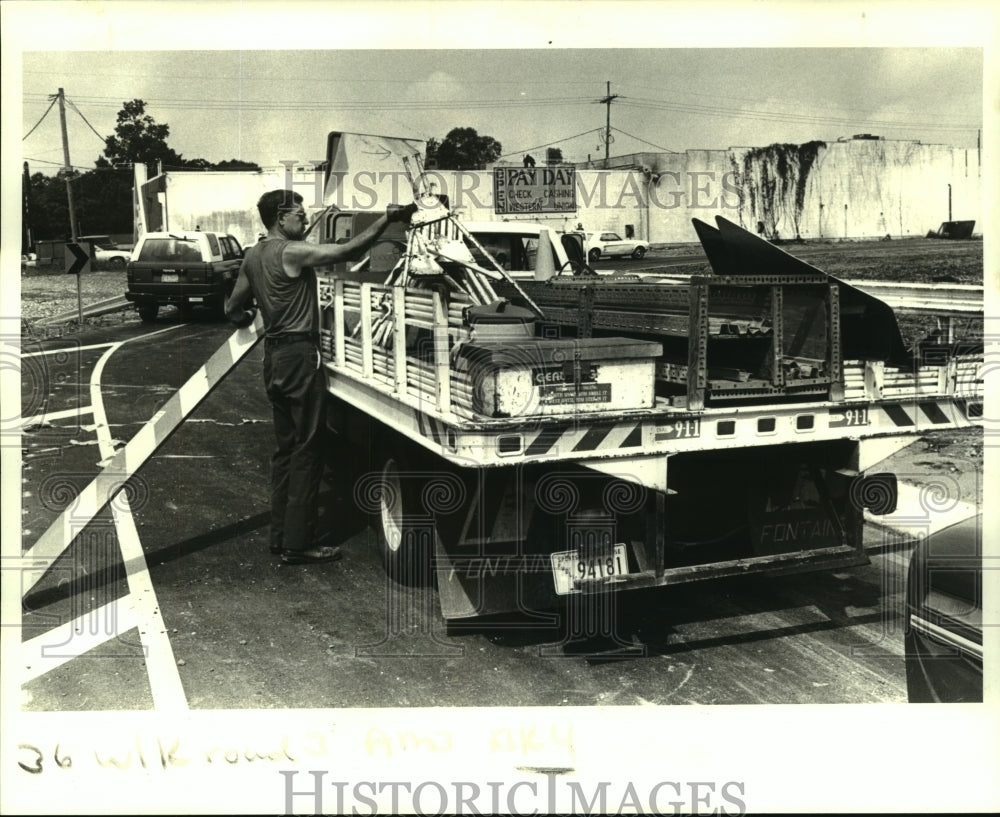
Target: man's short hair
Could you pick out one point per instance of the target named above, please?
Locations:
(272, 203)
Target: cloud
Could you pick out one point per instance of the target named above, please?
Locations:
(439, 86)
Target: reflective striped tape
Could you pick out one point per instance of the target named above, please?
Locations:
(433, 429)
(574, 437)
(898, 415)
(559, 437)
(912, 415)
(126, 461)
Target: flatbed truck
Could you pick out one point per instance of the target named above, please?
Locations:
(531, 434)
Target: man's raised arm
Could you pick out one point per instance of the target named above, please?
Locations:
(300, 254)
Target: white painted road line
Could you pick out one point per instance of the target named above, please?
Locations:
(62, 644)
(161, 666)
(38, 419)
(126, 461)
(66, 349)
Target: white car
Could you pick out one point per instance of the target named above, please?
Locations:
(597, 245)
(107, 254)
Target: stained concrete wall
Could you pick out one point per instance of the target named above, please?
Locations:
(840, 190)
(221, 201)
(853, 189)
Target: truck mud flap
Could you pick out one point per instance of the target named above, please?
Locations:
(506, 559)
(486, 569)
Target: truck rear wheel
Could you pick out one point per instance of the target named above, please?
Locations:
(408, 534)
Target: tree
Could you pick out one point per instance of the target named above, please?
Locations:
(237, 164)
(103, 201)
(49, 214)
(464, 149)
(138, 139)
(553, 156)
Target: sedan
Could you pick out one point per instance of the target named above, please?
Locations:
(944, 616)
(601, 244)
(107, 254)
(112, 256)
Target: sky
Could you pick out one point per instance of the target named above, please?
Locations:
(266, 105)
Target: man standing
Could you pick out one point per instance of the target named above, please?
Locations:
(278, 273)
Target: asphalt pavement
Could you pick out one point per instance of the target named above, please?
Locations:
(195, 613)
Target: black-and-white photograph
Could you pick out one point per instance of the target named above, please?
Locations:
(477, 408)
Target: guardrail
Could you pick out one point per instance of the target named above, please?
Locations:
(115, 304)
(942, 299)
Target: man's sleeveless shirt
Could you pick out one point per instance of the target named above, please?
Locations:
(286, 304)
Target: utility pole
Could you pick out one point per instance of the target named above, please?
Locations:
(68, 169)
(607, 129)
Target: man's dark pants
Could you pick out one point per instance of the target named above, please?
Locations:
(296, 388)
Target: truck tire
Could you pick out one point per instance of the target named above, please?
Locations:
(147, 312)
(407, 536)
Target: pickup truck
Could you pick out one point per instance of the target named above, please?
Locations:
(183, 268)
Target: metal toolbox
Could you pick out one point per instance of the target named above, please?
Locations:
(556, 377)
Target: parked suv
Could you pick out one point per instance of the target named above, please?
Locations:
(183, 268)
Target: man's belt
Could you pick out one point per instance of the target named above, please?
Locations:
(291, 337)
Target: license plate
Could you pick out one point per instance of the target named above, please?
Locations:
(167, 278)
(198, 299)
(568, 568)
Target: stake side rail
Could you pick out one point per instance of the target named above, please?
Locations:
(415, 388)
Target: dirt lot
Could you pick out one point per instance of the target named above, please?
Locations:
(48, 292)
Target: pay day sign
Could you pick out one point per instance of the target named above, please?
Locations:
(534, 189)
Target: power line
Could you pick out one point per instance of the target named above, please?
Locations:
(39, 122)
(637, 139)
(70, 102)
(78, 167)
(473, 104)
(243, 78)
(321, 105)
(777, 116)
(792, 101)
(548, 144)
